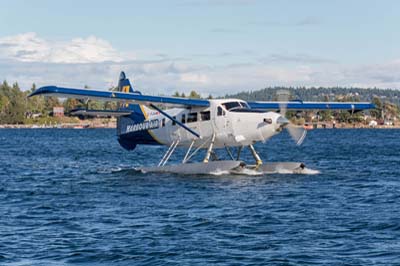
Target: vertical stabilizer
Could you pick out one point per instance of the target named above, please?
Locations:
(124, 85)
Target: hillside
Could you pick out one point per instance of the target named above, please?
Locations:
(322, 94)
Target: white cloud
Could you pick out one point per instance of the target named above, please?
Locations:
(28, 59)
(194, 78)
(28, 47)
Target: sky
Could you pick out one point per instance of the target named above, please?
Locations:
(211, 46)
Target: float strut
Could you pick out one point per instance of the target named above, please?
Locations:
(229, 152)
(188, 151)
(238, 153)
(207, 158)
(255, 155)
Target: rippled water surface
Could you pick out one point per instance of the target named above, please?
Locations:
(73, 197)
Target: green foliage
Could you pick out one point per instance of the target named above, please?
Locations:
(194, 95)
(377, 112)
(322, 94)
(13, 104)
(110, 105)
(50, 102)
(326, 115)
(387, 101)
(17, 108)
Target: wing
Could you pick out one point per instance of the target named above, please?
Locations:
(299, 105)
(117, 96)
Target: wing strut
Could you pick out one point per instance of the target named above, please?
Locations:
(176, 121)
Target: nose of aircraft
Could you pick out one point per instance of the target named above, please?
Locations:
(273, 124)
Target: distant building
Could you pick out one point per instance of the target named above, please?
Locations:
(58, 111)
(373, 123)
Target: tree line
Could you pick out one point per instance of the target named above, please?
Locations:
(387, 101)
(17, 108)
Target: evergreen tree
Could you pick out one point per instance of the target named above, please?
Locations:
(194, 95)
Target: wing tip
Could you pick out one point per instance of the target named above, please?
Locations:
(42, 90)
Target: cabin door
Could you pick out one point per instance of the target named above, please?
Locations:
(221, 125)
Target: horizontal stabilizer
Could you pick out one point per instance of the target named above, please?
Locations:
(98, 113)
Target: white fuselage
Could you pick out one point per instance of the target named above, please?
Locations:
(232, 122)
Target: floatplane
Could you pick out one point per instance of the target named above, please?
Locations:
(199, 124)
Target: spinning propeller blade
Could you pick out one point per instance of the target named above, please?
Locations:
(297, 133)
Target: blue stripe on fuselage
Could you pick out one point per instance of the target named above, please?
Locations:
(133, 129)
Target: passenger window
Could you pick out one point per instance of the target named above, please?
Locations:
(183, 119)
(163, 122)
(220, 111)
(192, 117)
(173, 121)
(205, 116)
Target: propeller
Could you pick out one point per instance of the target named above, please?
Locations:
(298, 133)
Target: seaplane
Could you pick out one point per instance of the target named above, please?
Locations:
(200, 126)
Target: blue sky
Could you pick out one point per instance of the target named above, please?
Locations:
(213, 46)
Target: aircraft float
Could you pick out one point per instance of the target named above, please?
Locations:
(199, 124)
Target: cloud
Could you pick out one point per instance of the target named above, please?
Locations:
(28, 47)
(246, 53)
(383, 75)
(194, 78)
(304, 22)
(297, 58)
(91, 61)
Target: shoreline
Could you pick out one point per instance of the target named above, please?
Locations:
(112, 124)
(80, 125)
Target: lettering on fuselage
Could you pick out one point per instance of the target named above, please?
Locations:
(146, 125)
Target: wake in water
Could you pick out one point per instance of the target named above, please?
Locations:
(305, 171)
(116, 169)
(254, 172)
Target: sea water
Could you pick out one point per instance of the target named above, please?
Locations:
(73, 197)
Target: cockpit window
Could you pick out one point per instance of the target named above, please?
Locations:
(220, 111)
(244, 105)
(235, 105)
(231, 105)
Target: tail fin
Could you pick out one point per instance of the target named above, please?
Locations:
(124, 84)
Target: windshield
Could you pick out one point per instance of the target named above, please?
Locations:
(235, 105)
(231, 105)
(244, 105)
